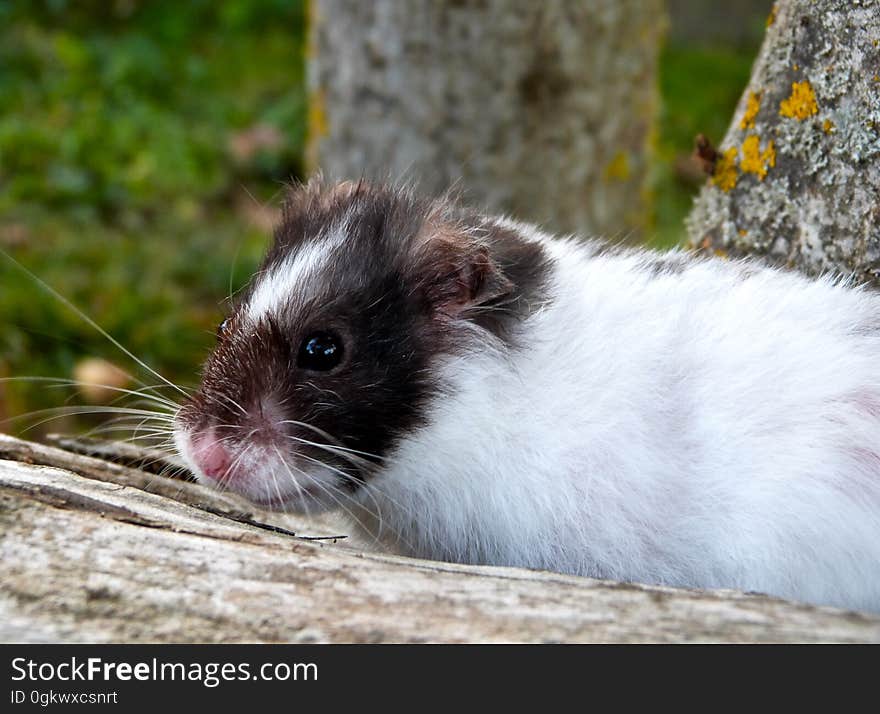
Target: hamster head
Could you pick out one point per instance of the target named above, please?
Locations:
(329, 357)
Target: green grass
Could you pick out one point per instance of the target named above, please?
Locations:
(117, 184)
(102, 115)
(118, 187)
(699, 89)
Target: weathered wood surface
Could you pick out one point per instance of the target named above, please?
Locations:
(97, 552)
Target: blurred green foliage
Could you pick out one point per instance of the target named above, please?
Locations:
(126, 106)
(130, 132)
(699, 88)
(120, 176)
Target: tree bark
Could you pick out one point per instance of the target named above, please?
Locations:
(97, 552)
(539, 109)
(797, 180)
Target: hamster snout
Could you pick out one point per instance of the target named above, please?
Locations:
(264, 458)
(214, 459)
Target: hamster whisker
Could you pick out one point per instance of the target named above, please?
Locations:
(358, 462)
(155, 436)
(277, 488)
(146, 435)
(347, 477)
(155, 442)
(372, 490)
(159, 420)
(169, 470)
(222, 481)
(369, 490)
(89, 321)
(336, 451)
(61, 412)
(122, 412)
(330, 490)
(315, 482)
(137, 433)
(323, 390)
(126, 427)
(58, 382)
(377, 515)
(234, 436)
(225, 477)
(215, 399)
(336, 443)
(301, 492)
(235, 404)
(306, 496)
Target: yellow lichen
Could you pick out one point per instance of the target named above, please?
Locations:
(802, 102)
(771, 18)
(317, 115)
(317, 127)
(828, 126)
(753, 106)
(755, 161)
(313, 19)
(725, 170)
(768, 155)
(618, 167)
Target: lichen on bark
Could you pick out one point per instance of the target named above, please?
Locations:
(800, 183)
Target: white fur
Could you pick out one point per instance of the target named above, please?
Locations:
(714, 428)
(292, 275)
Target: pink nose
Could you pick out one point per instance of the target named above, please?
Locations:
(213, 458)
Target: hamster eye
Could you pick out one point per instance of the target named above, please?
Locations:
(320, 352)
(221, 328)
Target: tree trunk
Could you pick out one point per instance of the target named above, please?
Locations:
(539, 109)
(797, 180)
(97, 552)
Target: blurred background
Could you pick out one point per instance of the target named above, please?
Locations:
(144, 145)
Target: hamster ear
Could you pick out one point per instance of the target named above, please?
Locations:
(456, 277)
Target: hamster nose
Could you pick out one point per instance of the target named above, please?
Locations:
(213, 458)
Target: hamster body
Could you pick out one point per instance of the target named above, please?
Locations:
(467, 388)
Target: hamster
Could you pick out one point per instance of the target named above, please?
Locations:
(467, 388)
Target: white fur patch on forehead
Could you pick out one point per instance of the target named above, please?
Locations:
(294, 275)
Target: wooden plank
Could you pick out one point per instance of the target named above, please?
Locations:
(96, 552)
